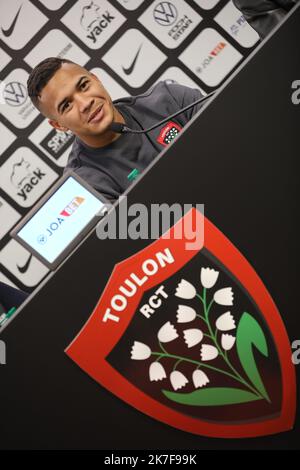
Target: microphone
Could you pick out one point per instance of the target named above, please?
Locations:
(120, 128)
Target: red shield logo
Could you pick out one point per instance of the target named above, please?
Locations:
(192, 338)
(168, 133)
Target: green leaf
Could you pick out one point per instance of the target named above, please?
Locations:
(218, 396)
(250, 334)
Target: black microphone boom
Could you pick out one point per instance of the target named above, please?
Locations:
(120, 128)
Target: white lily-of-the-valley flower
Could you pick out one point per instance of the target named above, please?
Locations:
(185, 290)
(185, 314)
(156, 372)
(140, 351)
(167, 333)
(208, 277)
(192, 337)
(225, 322)
(224, 296)
(208, 352)
(227, 341)
(200, 379)
(178, 380)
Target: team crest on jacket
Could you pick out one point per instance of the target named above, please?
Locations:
(192, 338)
(168, 133)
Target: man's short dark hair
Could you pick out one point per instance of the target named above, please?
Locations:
(40, 76)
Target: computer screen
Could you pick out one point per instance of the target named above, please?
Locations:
(60, 220)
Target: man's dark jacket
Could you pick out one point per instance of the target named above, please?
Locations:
(263, 15)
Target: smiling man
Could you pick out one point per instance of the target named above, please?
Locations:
(75, 99)
(72, 98)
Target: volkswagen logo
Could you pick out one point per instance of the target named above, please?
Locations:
(165, 13)
(15, 94)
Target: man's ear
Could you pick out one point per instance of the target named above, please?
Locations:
(57, 126)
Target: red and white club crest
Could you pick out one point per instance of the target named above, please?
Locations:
(192, 338)
(168, 133)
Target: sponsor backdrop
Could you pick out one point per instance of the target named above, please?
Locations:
(130, 45)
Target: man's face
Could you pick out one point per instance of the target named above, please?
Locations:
(75, 99)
